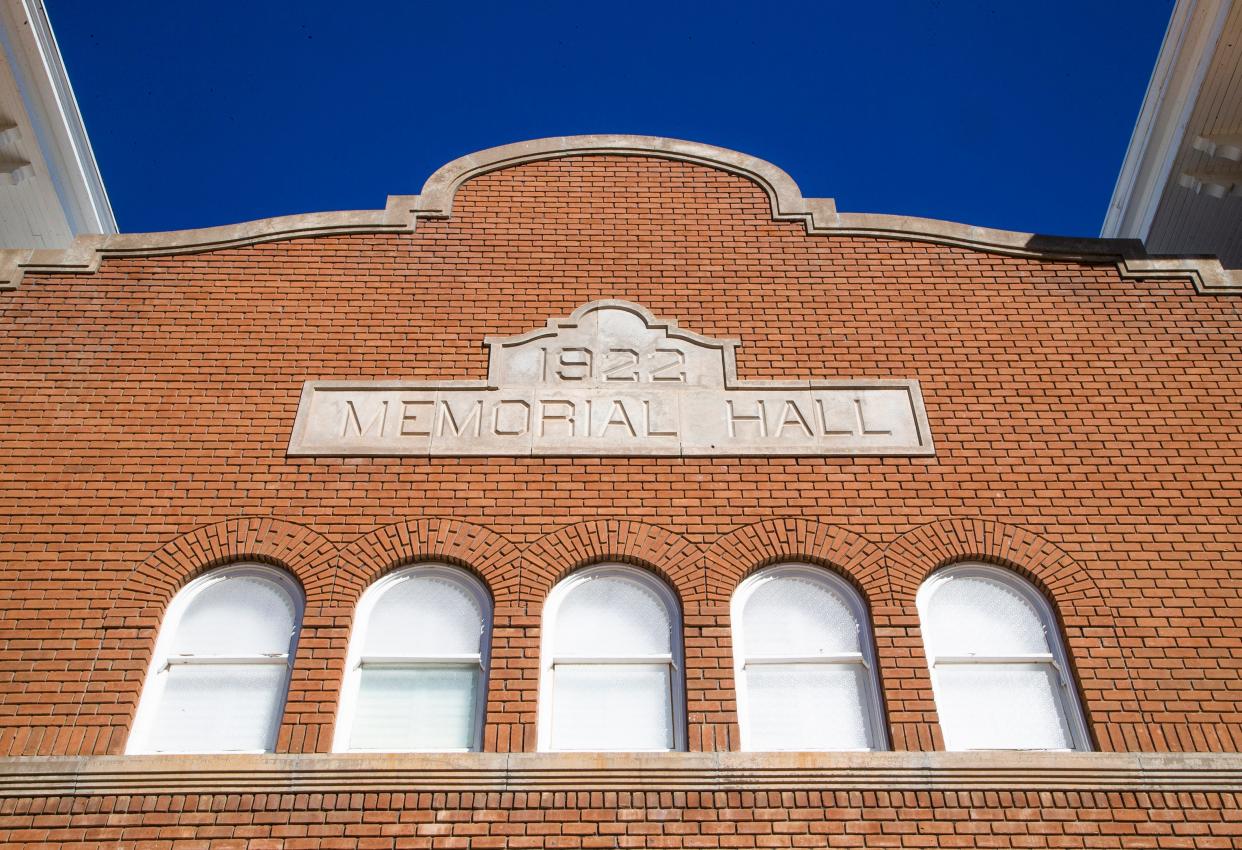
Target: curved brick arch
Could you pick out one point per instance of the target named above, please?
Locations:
(735, 555)
(304, 553)
(552, 557)
(1086, 619)
(483, 551)
(137, 611)
(732, 557)
(913, 556)
(674, 558)
(317, 682)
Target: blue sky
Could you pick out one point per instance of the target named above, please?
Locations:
(1012, 115)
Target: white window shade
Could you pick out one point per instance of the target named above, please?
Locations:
(808, 707)
(416, 671)
(612, 707)
(611, 664)
(218, 708)
(978, 612)
(999, 672)
(798, 614)
(612, 615)
(220, 670)
(416, 708)
(427, 613)
(803, 663)
(1003, 706)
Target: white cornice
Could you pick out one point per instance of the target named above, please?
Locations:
(819, 216)
(39, 72)
(881, 771)
(1185, 55)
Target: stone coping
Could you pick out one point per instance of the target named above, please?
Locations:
(518, 772)
(819, 215)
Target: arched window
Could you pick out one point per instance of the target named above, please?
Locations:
(221, 667)
(998, 669)
(803, 663)
(612, 671)
(416, 673)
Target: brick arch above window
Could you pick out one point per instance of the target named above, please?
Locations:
(674, 558)
(486, 553)
(915, 555)
(1085, 617)
(140, 604)
(304, 553)
(734, 556)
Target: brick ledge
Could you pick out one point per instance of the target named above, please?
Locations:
(495, 772)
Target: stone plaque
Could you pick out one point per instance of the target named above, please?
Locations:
(611, 380)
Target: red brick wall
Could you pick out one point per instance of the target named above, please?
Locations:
(1087, 433)
(587, 819)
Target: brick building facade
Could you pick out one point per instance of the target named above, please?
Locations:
(1082, 398)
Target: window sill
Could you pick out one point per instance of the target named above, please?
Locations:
(350, 772)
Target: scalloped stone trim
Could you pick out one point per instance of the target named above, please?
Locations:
(819, 215)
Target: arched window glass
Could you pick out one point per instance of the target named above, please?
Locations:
(220, 671)
(998, 669)
(803, 663)
(612, 671)
(416, 672)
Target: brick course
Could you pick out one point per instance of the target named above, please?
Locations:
(1086, 427)
(622, 819)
